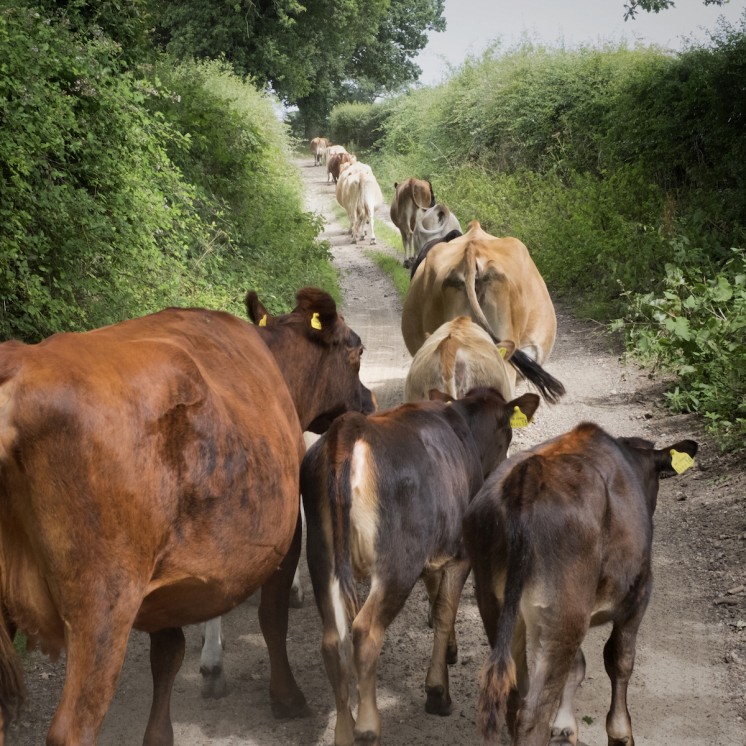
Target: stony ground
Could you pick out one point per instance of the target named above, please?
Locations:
(689, 685)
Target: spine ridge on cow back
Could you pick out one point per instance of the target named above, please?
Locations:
(340, 498)
(498, 676)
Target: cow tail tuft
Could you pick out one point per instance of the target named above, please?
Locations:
(11, 680)
(340, 497)
(498, 677)
(550, 388)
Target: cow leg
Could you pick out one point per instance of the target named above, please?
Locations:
(452, 582)
(96, 644)
(551, 653)
(166, 657)
(432, 585)
(565, 726)
(619, 660)
(368, 629)
(214, 684)
(285, 695)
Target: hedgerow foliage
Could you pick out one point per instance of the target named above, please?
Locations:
(125, 189)
(622, 171)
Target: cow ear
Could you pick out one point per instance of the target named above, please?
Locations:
(527, 404)
(676, 458)
(436, 395)
(255, 309)
(505, 349)
(319, 310)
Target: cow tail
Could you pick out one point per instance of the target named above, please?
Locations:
(11, 678)
(549, 387)
(498, 677)
(340, 500)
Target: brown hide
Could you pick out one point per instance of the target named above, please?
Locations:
(411, 198)
(384, 496)
(492, 280)
(334, 164)
(560, 539)
(150, 479)
(457, 357)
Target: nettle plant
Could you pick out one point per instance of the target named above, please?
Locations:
(696, 328)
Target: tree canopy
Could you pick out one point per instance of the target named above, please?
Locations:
(313, 53)
(632, 8)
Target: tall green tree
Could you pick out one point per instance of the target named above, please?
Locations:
(632, 8)
(314, 53)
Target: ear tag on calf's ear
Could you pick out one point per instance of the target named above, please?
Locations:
(680, 462)
(503, 351)
(518, 419)
(263, 320)
(315, 323)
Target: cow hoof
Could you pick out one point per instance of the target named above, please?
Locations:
(563, 737)
(438, 701)
(366, 738)
(407, 263)
(292, 709)
(214, 685)
(626, 741)
(296, 598)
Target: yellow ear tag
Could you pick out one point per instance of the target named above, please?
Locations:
(503, 351)
(680, 461)
(518, 419)
(315, 323)
(263, 320)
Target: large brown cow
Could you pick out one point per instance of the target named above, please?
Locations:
(359, 193)
(411, 198)
(560, 539)
(150, 479)
(496, 283)
(458, 356)
(319, 146)
(384, 497)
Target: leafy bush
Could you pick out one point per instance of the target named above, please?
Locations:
(697, 328)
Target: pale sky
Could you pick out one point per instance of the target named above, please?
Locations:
(473, 24)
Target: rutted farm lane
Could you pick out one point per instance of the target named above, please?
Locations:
(682, 692)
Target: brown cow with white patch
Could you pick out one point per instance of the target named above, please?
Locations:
(335, 163)
(411, 198)
(319, 147)
(150, 480)
(384, 497)
(496, 283)
(458, 356)
(560, 539)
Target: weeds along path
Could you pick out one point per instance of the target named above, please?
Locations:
(687, 687)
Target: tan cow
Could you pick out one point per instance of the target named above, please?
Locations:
(496, 283)
(319, 147)
(358, 192)
(411, 198)
(458, 356)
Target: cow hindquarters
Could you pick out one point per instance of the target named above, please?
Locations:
(452, 581)
(285, 695)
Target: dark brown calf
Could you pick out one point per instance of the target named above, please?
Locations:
(384, 497)
(560, 539)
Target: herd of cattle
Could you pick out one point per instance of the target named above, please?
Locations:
(151, 473)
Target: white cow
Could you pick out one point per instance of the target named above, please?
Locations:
(360, 195)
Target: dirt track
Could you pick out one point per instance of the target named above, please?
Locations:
(688, 685)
